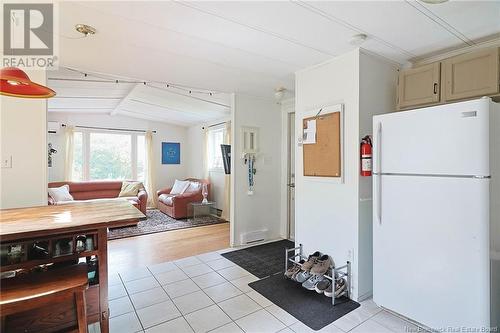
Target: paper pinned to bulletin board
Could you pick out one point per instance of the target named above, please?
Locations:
(322, 151)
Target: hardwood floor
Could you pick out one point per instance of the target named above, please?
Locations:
(132, 252)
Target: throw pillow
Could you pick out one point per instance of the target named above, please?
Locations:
(193, 187)
(180, 186)
(130, 189)
(60, 194)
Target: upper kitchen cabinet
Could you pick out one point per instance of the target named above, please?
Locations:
(419, 86)
(471, 75)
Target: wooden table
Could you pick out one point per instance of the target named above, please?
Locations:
(26, 224)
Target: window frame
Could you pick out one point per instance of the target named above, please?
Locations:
(86, 152)
(209, 162)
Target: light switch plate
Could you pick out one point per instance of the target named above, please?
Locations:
(7, 162)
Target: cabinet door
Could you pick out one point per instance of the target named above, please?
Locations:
(418, 86)
(472, 74)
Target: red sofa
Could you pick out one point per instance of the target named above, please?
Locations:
(177, 205)
(92, 190)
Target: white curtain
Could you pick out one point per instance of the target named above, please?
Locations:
(69, 134)
(227, 180)
(206, 173)
(150, 179)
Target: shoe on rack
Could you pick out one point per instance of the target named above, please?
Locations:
(292, 271)
(322, 265)
(340, 287)
(311, 283)
(302, 276)
(321, 286)
(328, 291)
(311, 261)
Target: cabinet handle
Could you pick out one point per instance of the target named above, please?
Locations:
(435, 88)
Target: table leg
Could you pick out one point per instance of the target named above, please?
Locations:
(81, 311)
(102, 235)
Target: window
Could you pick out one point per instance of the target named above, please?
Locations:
(214, 153)
(107, 156)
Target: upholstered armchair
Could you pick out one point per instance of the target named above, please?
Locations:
(176, 205)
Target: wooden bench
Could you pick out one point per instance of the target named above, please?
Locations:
(38, 290)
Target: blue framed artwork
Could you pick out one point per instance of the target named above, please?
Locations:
(170, 153)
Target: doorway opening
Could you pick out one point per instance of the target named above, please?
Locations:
(291, 176)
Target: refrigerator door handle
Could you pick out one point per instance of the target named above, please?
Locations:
(379, 173)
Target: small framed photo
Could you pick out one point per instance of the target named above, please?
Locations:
(170, 153)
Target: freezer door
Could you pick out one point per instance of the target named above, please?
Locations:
(431, 250)
(450, 139)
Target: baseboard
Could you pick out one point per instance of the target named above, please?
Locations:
(365, 296)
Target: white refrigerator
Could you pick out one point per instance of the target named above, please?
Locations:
(432, 199)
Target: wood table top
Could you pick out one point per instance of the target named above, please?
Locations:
(23, 222)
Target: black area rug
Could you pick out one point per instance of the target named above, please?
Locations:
(262, 260)
(156, 221)
(313, 309)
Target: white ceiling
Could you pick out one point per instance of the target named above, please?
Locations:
(253, 47)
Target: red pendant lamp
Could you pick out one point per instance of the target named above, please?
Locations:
(16, 83)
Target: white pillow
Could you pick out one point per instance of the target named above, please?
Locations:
(60, 194)
(180, 186)
(193, 187)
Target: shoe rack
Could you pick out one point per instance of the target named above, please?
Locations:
(294, 255)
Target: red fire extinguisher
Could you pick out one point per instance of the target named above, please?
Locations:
(366, 156)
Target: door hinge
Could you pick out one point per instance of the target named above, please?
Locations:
(104, 315)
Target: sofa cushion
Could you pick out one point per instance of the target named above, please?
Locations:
(193, 186)
(180, 186)
(130, 189)
(167, 199)
(132, 200)
(60, 194)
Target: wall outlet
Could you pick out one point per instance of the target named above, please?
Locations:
(7, 162)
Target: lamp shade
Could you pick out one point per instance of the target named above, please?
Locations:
(15, 82)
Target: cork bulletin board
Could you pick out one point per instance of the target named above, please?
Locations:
(323, 158)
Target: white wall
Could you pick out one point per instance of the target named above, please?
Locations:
(24, 137)
(261, 211)
(377, 95)
(327, 212)
(335, 217)
(165, 174)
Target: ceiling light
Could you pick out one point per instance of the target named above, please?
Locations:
(358, 39)
(85, 29)
(434, 2)
(279, 93)
(16, 83)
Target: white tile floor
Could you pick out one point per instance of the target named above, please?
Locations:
(208, 293)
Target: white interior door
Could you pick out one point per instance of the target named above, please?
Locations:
(431, 249)
(291, 176)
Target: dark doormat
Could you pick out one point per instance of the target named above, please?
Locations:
(313, 309)
(262, 260)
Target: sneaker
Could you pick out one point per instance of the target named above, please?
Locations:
(322, 265)
(311, 283)
(292, 271)
(302, 276)
(328, 291)
(340, 288)
(311, 261)
(322, 286)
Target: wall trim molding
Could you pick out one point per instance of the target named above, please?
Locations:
(438, 56)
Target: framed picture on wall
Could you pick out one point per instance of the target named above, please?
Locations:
(170, 153)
